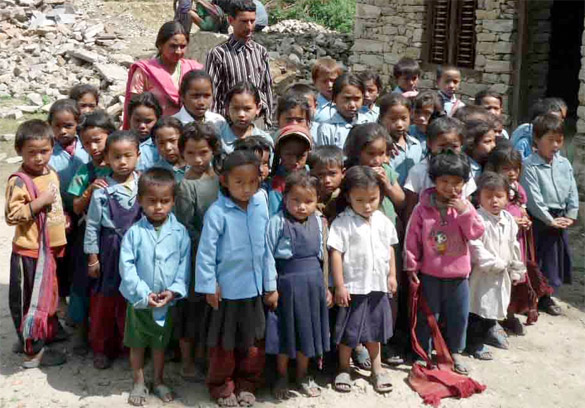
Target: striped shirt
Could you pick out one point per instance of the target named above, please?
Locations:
(236, 61)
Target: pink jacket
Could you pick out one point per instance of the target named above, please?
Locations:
(438, 247)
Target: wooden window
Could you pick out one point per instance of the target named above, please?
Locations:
(451, 32)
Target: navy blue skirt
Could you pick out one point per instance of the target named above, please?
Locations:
(552, 251)
(108, 283)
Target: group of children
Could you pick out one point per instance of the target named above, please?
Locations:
(208, 235)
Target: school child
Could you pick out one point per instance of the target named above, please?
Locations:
(373, 88)
(93, 131)
(260, 147)
(361, 249)
(111, 212)
(196, 94)
(407, 73)
(426, 107)
(436, 251)
(293, 110)
(166, 134)
(291, 151)
(230, 267)
(326, 163)
(324, 73)
(496, 262)
(307, 91)
(297, 253)
(243, 102)
(151, 284)
(200, 147)
(144, 111)
(406, 150)
(448, 81)
(553, 203)
(34, 207)
(522, 137)
(493, 103)
(348, 96)
(87, 97)
(480, 140)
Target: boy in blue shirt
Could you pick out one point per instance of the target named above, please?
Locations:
(155, 261)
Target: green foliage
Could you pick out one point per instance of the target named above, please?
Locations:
(333, 14)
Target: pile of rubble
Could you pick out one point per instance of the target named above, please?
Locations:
(296, 27)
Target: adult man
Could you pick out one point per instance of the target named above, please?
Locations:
(240, 59)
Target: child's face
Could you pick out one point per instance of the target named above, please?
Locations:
(143, 120)
(265, 165)
(157, 202)
(36, 154)
(512, 172)
(301, 202)
(364, 201)
(374, 153)
(198, 97)
(549, 145)
(445, 141)
(64, 127)
(122, 157)
(449, 187)
(87, 103)
(422, 116)
(372, 93)
(494, 201)
(324, 84)
(484, 147)
(349, 101)
(242, 182)
(396, 121)
(330, 177)
(167, 143)
(93, 140)
(294, 116)
(449, 82)
(174, 49)
(492, 105)
(293, 154)
(243, 110)
(407, 82)
(198, 155)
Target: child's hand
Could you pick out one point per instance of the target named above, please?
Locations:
(93, 269)
(97, 184)
(271, 299)
(559, 223)
(165, 297)
(523, 222)
(213, 300)
(413, 277)
(153, 300)
(392, 284)
(459, 204)
(329, 297)
(47, 197)
(568, 221)
(342, 297)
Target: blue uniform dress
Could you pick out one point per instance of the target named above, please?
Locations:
(521, 139)
(148, 155)
(335, 130)
(301, 320)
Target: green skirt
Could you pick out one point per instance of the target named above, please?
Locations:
(142, 331)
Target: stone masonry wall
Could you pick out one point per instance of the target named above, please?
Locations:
(579, 138)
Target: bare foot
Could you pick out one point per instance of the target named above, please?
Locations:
(246, 399)
(138, 395)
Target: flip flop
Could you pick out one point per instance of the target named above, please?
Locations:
(482, 353)
(342, 382)
(138, 395)
(458, 364)
(381, 382)
(309, 387)
(361, 358)
(163, 392)
(496, 337)
(46, 358)
(246, 399)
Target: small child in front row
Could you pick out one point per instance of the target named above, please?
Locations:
(496, 265)
(155, 265)
(363, 264)
(448, 81)
(33, 204)
(326, 163)
(373, 88)
(406, 73)
(296, 243)
(553, 203)
(87, 97)
(111, 212)
(436, 251)
(166, 134)
(144, 111)
(480, 140)
(230, 271)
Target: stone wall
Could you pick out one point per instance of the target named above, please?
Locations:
(579, 139)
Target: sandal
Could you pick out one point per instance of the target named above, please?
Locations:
(548, 305)
(361, 358)
(280, 390)
(514, 325)
(458, 364)
(496, 337)
(138, 395)
(342, 382)
(230, 401)
(45, 358)
(381, 382)
(163, 392)
(101, 361)
(481, 353)
(392, 356)
(246, 399)
(309, 387)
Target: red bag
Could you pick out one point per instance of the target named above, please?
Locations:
(435, 383)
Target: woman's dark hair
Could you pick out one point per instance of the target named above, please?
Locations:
(359, 137)
(77, 92)
(493, 181)
(485, 93)
(389, 100)
(64, 105)
(368, 75)
(356, 177)
(444, 125)
(156, 176)
(236, 159)
(504, 154)
(449, 163)
(300, 178)
(546, 123)
(34, 129)
(202, 131)
(123, 135)
(96, 119)
(167, 31)
(144, 99)
(244, 87)
(347, 79)
(290, 101)
(167, 121)
(193, 75)
(474, 132)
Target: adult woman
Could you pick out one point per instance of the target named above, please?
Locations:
(162, 75)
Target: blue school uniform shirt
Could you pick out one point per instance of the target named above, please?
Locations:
(178, 172)
(407, 158)
(148, 155)
(212, 118)
(335, 130)
(153, 261)
(522, 139)
(66, 166)
(370, 115)
(549, 186)
(415, 132)
(325, 110)
(228, 138)
(398, 90)
(476, 168)
(450, 105)
(232, 250)
(98, 213)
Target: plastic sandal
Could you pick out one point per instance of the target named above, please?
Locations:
(342, 382)
(381, 382)
(163, 392)
(309, 387)
(138, 395)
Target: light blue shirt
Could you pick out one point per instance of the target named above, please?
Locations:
(178, 172)
(98, 214)
(325, 110)
(370, 115)
(522, 139)
(148, 155)
(549, 186)
(154, 261)
(505, 134)
(66, 166)
(261, 14)
(228, 138)
(212, 118)
(407, 158)
(232, 250)
(335, 130)
(415, 132)
(476, 168)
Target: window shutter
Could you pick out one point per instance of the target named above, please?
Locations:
(465, 44)
(439, 39)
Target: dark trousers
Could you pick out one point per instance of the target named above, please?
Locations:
(552, 252)
(107, 316)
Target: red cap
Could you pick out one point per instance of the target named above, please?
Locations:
(294, 130)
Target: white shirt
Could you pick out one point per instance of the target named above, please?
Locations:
(418, 179)
(211, 118)
(365, 245)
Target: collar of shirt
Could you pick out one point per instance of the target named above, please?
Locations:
(238, 45)
(167, 228)
(227, 202)
(537, 160)
(126, 188)
(494, 219)
(321, 101)
(446, 98)
(337, 119)
(410, 141)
